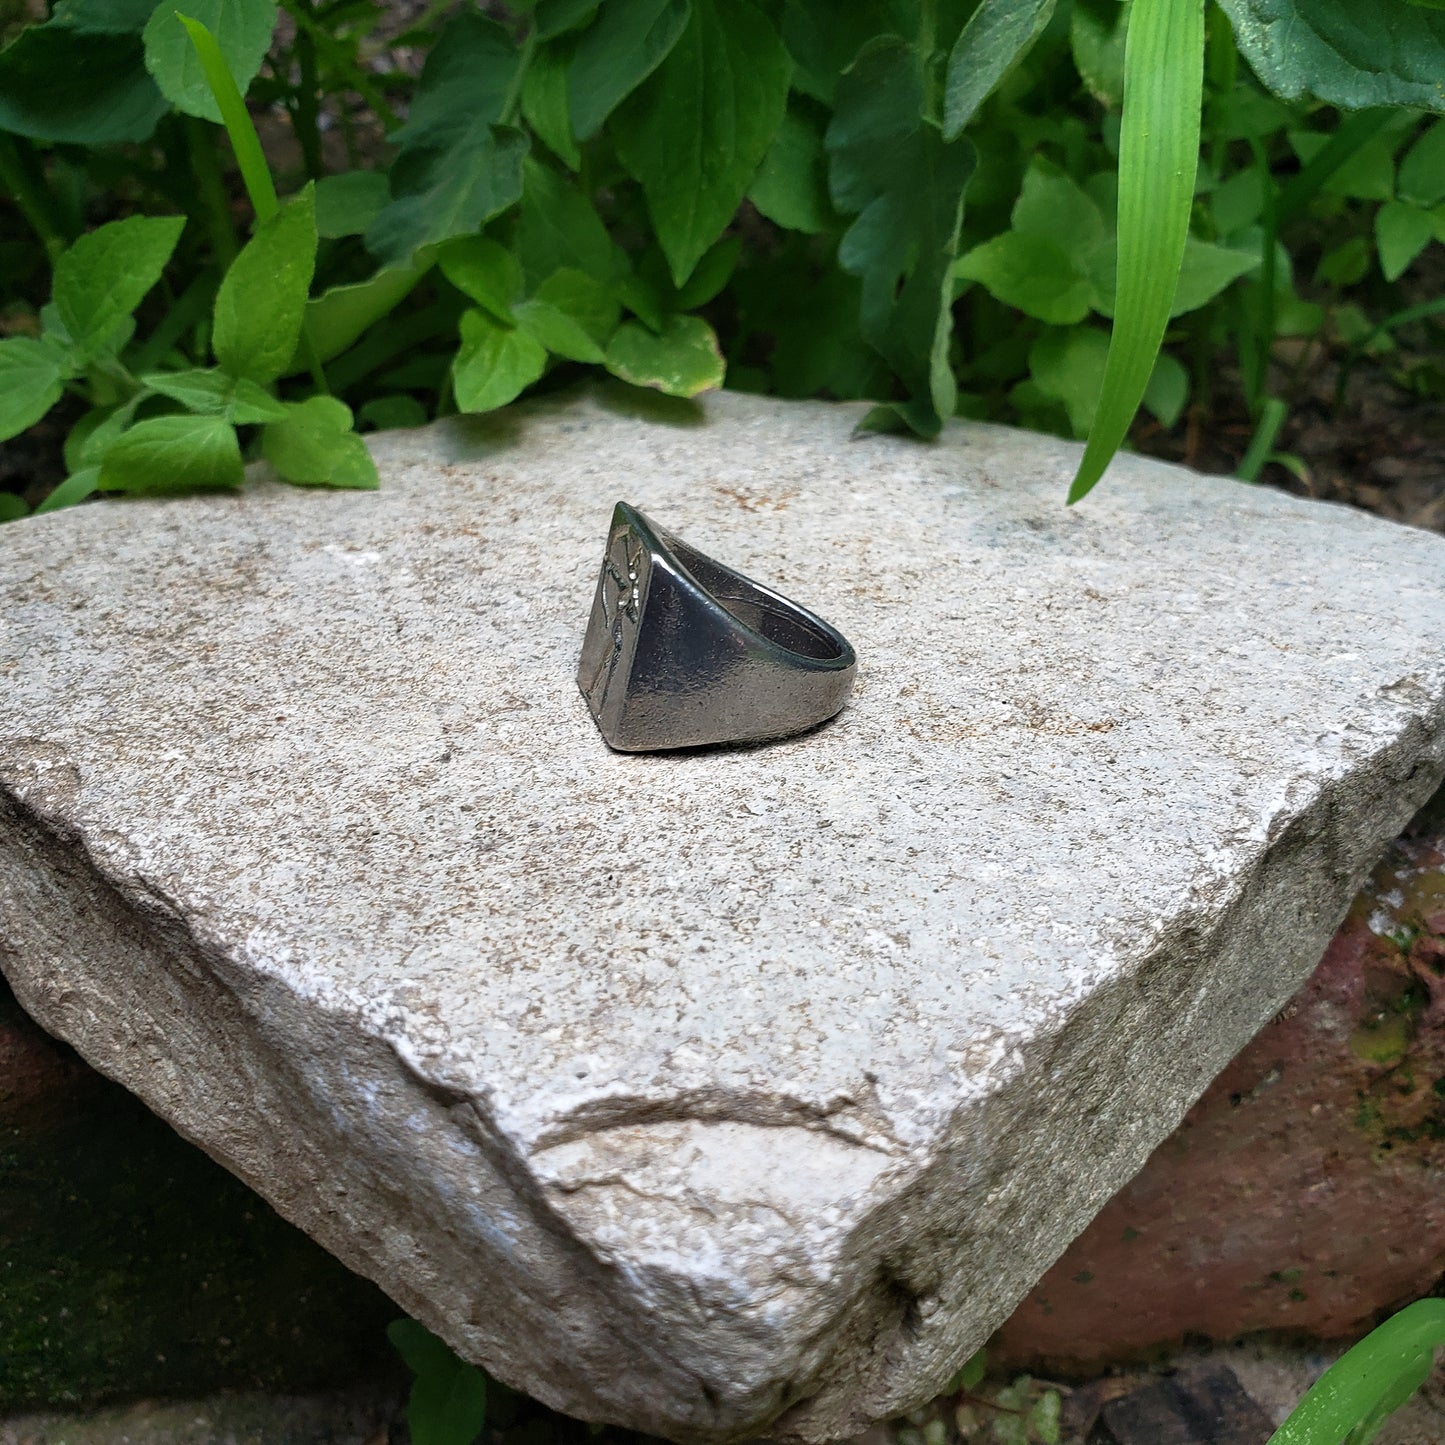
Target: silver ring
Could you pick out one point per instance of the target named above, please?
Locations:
(683, 652)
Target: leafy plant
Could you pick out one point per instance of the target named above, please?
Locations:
(999, 208)
(448, 1404)
(1350, 1402)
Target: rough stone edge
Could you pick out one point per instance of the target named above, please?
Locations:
(1314, 860)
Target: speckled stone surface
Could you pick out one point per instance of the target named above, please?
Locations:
(719, 1091)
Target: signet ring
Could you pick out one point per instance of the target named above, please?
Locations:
(683, 652)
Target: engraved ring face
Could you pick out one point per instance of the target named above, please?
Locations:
(682, 651)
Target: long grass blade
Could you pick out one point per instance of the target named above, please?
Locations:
(244, 141)
(1158, 161)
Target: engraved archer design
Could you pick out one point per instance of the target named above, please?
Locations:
(619, 595)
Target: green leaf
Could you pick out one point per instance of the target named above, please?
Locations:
(313, 444)
(1038, 276)
(592, 304)
(32, 377)
(1068, 367)
(906, 185)
(173, 454)
(214, 393)
(560, 17)
(997, 34)
(1367, 174)
(1096, 35)
(262, 301)
(695, 133)
(1370, 1380)
(1168, 389)
(1055, 207)
(1158, 161)
(495, 363)
(1422, 169)
(104, 17)
(545, 105)
(1402, 231)
(484, 270)
(106, 274)
(825, 38)
(557, 331)
(791, 186)
(457, 166)
(709, 276)
(1204, 271)
(386, 413)
(348, 203)
(616, 53)
(340, 314)
(467, 185)
(12, 507)
(242, 29)
(86, 445)
(78, 87)
(683, 361)
(75, 488)
(448, 1404)
(557, 226)
(1348, 53)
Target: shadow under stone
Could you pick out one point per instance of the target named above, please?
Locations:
(131, 1264)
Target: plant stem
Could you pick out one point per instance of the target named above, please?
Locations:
(30, 198)
(513, 101)
(215, 206)
(928, 71)
(307, 117)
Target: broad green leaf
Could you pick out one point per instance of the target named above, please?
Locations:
(559, 17)
(1204, 271)
(1055, 207)
(1168, 389)
(1368, 174)
(906, 184)
(387, 413)
(1402, 231)
(464, 187)
(348, 203)
(557, 226)
(694, 134)
(1068, 366)
(12, 507)
(32, 378)
(791, 186)
(683, 361)
(86, 445)
(262, 301)
(1349, 53)
(422, 1351)
(709, 276)
(997, 34)
(339, 315)
(1422, 168)
(242, 29)
(545, 104)
(1096, 35)
(313, 445)
(214, 393)
(494, 364)
(1038, 276)
(173, 454)
(628, 41)
(457, 166)
(557, 331)
(77, 87)
(592, 304)
(1158, 161)
(825, 38)
(104, 17)
(106, 274)
(75, 488)
(1238, 202)
(484, 270)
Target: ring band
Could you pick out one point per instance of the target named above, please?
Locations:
(683, 652)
